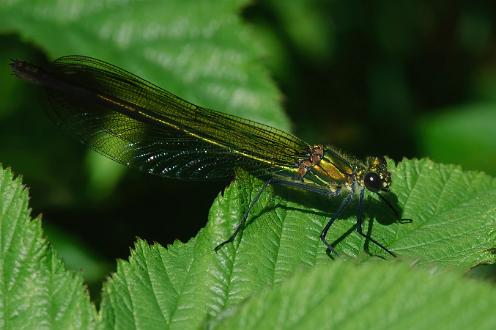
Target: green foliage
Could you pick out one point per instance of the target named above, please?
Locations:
(306, 26)
(452, 211)
(189, 285)
(465, 130)
(276, 274)
(77, 256)
(368, 296)
(36, 292)
(179, 45)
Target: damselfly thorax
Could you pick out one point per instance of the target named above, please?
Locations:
(327, 168)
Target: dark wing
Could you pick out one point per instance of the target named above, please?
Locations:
(143, 126)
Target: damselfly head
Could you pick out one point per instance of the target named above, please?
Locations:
(377, 177)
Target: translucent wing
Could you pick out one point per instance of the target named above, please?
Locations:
(141, 125)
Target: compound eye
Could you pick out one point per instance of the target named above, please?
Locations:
(373, 181)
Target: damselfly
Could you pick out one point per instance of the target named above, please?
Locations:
(136, 123)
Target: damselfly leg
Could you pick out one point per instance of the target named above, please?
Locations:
(242, 222)
(329, 223)
(359, 224)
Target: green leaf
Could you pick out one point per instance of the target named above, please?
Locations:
(464, 135)
(36, 292)
(159, 288)
(188, 284)
(452, 210)
(179, 45)
(368, 296)
(210, 60)
(451, 217)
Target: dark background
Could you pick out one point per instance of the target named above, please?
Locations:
(397, 78)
